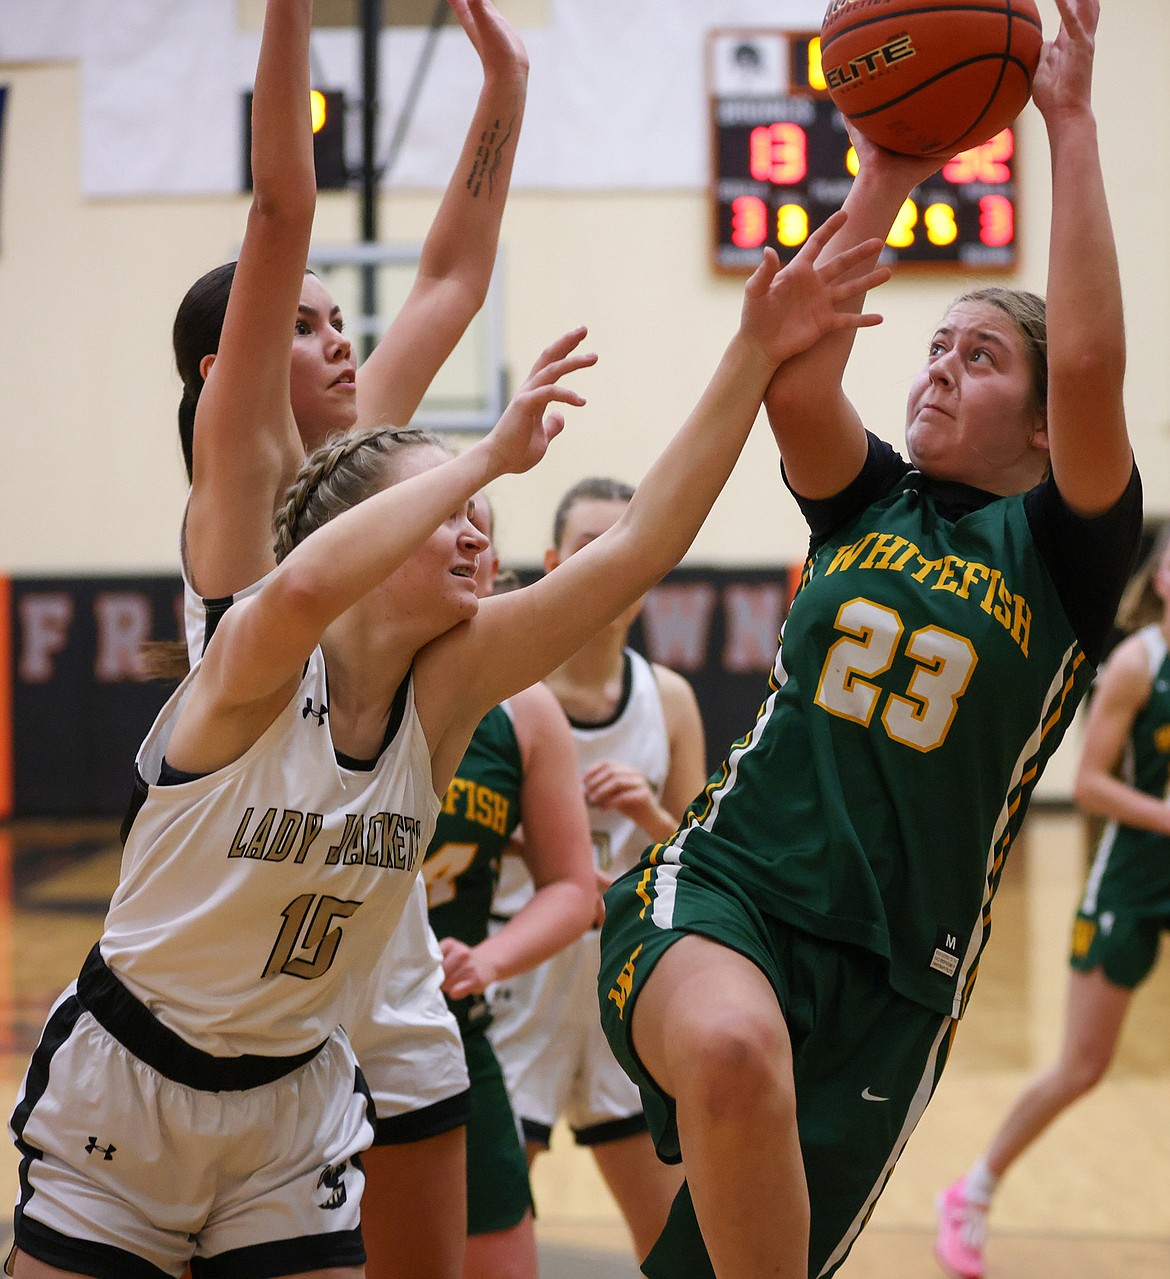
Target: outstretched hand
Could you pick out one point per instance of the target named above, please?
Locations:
(499, 46)
(788, 309)
(1064, 78)
(521, 437)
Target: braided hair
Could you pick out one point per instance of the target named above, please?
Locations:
(344, 471)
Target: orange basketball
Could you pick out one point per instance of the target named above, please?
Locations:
(930, 77)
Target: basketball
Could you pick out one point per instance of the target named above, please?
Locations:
(927, 77)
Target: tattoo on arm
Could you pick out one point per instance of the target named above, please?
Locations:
(489, 156)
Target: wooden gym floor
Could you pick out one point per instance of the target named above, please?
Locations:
(1088, 1201)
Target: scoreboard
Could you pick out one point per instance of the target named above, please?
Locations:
(782, 163)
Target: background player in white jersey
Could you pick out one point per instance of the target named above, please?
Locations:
(265, 364)
(1122, 776)
(641, 754)
(376, 586)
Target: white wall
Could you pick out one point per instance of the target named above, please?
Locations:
(90, 478)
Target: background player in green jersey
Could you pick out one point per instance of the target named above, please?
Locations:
(1123, 776)
(783, 976)
(520, 765)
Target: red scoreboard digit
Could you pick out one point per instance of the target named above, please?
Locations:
(782, 163)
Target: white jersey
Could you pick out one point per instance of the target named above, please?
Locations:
(635, 735)
(408, 1040)
(255, 901)
(201, 616)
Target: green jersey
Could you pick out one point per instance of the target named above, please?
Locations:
(1131, 870)
(480, 811)
(928, 670)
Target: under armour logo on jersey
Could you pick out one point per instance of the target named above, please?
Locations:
(310, 709)
(107, 1151)
(332, 1178)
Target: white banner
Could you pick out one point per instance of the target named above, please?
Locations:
(40, 30)
(617, 94)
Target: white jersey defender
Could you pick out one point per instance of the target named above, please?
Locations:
(253, 906)
(405, 1035)
(255, 876)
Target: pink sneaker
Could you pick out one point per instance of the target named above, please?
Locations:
(962, 1231)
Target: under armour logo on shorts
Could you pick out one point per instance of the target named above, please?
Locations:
(332, 1178)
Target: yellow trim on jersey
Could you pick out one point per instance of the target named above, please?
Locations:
(640, 889)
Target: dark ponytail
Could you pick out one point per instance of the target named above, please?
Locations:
(196, 333)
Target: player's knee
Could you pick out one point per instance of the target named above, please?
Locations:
(741, 1068)
(502, 1254)
(1083, 1072)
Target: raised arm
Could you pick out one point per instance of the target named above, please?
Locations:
(460, 248)
(784, 311)
(246, 447)
(556, 849)
(1088, 442)
(818, 431)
